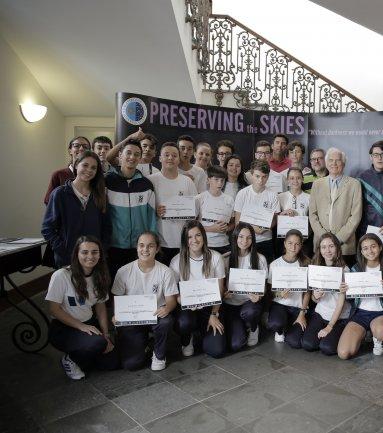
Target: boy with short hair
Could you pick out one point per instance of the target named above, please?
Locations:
(169, 183)
(101, 146)
(257, 195)
(225, 148)
(186, 145)
(215, 210)
(149, 150)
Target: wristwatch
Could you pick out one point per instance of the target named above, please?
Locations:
(214, 313)
(305, 310)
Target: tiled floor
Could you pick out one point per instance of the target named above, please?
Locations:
(268, 389)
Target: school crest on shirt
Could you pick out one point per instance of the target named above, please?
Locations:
(180, 193)
(265, 204)
(302, 205)
(140, 198)
(155, 288)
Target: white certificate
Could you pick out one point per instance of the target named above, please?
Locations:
(375, 230)
(135, 310)
(199, 293)
(286, 223)
(246, 281)
(257, 216)
(180, 207)
(289, 277)
(325, 278)
(214, 213)
(275, 182)
(364, 284)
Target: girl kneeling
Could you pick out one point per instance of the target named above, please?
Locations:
(367, 313)
(146, 276)
(243, 312)
(332, 310)
(72, 293)
(197, 262)
(287, 315)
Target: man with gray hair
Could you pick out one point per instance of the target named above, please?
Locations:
(336, 204)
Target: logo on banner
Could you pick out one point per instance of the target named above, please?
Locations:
(134, 111)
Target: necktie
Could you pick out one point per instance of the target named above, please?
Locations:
(333, 194)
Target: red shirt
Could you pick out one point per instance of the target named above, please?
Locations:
(279, 166)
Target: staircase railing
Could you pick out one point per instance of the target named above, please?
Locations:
(259, 75)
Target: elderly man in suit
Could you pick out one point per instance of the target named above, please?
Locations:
(336, 204)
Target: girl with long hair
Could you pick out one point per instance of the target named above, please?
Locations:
(243, 312)
(73, 292)
(332, 310)
(146, 276)
(76, 208)
(196, 261)
(287, 315)
(367, 313)
(236, 179)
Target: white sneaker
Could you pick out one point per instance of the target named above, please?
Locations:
(279, 338)
(378, 347)
(252, 339)
(189, 349)
(158, 364)
(72, 370)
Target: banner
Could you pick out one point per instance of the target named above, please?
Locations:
(167, 119)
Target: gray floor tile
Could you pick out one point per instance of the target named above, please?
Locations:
(64, 401)
(289, 418)
(185, 366)
(287, 383)
(207, 382)
(104, 418)
(243, 404)
(366, 383)
(154, 402)
(121, 382)
(331, 404)
(369, 420)
(249, 365)
(13, 419)
(193, 419)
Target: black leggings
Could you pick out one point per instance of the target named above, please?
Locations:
(84, 349)
(327, 345)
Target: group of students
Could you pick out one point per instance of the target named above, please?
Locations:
(81, 219)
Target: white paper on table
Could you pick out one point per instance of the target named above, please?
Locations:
(257, 216)
(27, 241)
(199, 293)
(325, 278)
(214, 213)
(275, 182)
(364, 284)
(286, 223)
(247, 281)
(179, 207)
(289, 277)
(375, 230)
(135, 310)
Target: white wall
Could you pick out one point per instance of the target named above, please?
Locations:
(29, 151)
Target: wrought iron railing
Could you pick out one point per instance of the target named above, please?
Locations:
(259, 75)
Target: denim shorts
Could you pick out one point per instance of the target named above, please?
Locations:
(364, 317)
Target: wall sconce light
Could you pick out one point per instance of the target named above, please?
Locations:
(33, 112)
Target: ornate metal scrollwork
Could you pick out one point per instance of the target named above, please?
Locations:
(235, 59)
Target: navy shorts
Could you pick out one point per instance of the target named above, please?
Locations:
(364, 317)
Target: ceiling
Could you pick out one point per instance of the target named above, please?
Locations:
(367, 13)
(83, 51)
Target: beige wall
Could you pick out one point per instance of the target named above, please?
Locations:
(29, 151)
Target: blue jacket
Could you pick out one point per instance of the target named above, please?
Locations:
(65, 221)
(130, 209)
(372, 187)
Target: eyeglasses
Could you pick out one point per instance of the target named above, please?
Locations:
(224, 153)
(377, 155)
(78, 145)
(263, 153)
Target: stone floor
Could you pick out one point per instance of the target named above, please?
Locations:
(268, 389)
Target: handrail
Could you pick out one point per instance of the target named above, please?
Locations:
(260, 75)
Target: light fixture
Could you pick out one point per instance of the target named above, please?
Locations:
(33, 112)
